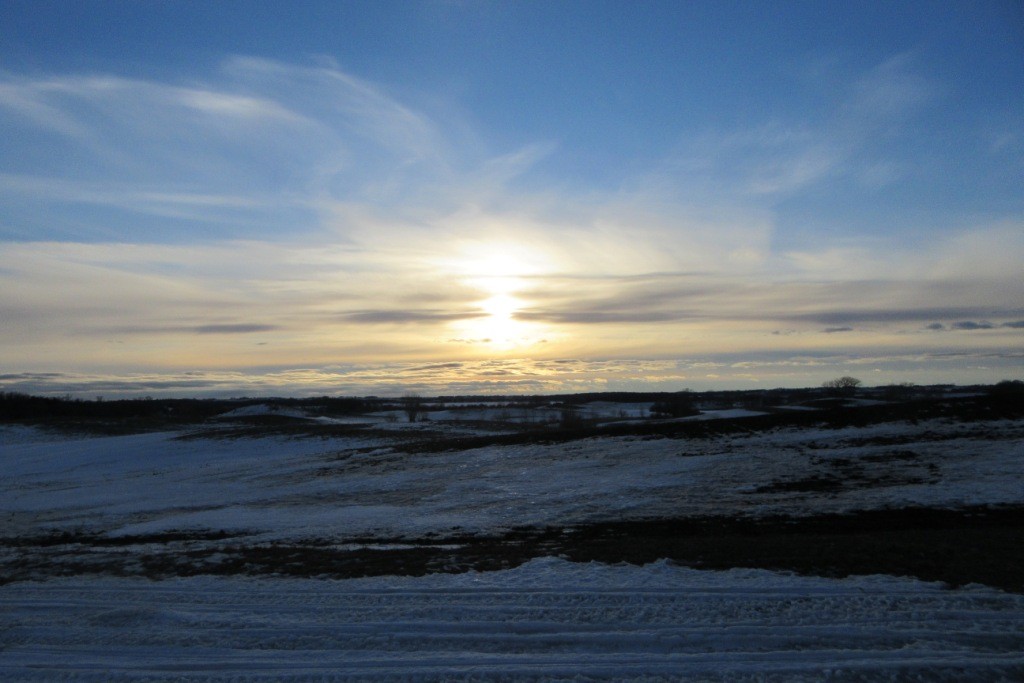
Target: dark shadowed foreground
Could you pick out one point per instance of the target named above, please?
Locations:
(957, 547)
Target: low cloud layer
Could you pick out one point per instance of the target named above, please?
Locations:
(526, 376)
(971, 325)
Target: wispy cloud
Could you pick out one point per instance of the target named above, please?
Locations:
(838, 303)
(332, 93)
(971, 325)
(783, 156)
(272, 214)
(259, 134)
(235, 328)
(887, 92)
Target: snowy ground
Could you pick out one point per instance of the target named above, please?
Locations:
(547, 620)
(279, 488)
(81, 515)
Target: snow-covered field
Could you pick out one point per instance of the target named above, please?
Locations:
(548, 619)
(367, 485)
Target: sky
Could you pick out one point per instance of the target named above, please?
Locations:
(471, 196)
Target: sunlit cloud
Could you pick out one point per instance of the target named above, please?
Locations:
(523, 376)
(411, 316)
(275, 215)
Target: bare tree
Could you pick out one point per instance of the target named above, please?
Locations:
(844, 385)
(412, 404)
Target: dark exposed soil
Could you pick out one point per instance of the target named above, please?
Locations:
(958, 547)
(199, 418)
(965, 409)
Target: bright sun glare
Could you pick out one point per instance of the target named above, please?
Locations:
(499, 272)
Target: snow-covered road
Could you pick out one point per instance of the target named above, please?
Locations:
(548, 619)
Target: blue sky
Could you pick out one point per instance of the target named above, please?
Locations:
(375, 197)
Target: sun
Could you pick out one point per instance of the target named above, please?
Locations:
(501, 273)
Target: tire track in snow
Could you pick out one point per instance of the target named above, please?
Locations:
(546, 620)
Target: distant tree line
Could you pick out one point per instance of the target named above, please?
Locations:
(18, 406)
(15, 406)
(1009, 392)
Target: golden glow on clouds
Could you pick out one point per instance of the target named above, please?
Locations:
(409, 247)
